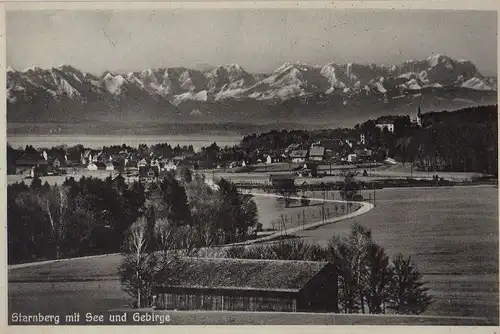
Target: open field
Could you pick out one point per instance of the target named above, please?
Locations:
(452, 235)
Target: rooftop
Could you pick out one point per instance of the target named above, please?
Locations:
(317, 151)
(243, 274)
(298, 154)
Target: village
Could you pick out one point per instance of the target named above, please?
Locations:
(305, 158)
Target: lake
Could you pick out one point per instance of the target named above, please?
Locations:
(96, 142)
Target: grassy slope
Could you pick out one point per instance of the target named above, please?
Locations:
(452, 234)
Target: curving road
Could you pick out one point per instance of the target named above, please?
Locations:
(364, 208)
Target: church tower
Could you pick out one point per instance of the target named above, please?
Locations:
(418, 120)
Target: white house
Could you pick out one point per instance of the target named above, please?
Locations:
(382, 126)
(142, 163)
(351, 157)
(298, 156)
(269, 160)
(170, 166)
(362, 139)
(92, 166)
(316, 153)
(110, 166)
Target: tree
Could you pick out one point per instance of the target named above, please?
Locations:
(238, 213)
(55, 204)
(406, 292)
(139, 267)
(165, 235)
(340, 254)
(349, 254)
(175, 198)
(376, 277)
(304, 200)
(350, 188)
(286, 189)
(186, 174)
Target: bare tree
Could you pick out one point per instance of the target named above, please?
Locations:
(165, 234)
(139, 267)
(55, 204)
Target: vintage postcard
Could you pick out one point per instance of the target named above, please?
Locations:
(251, 164)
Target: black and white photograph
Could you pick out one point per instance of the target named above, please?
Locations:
(251, 165)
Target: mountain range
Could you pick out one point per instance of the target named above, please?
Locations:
(312, 94)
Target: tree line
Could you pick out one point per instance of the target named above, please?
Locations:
(92, 216)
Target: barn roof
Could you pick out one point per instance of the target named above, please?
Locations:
(243, 274)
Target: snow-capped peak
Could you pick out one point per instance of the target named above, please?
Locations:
(32, 68)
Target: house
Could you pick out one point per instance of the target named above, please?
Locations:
(388, 126)
(87, 156)
(352, 157)
(148, 174)
(385, 123)
(142, 163)
(363, 154)
(170, 166)
(282, 180)
(92, 166)
(109, 166)
(350, 140)
(179, 158)
(119, 182)
(362, 139)
(28, 161)
(223, 284)
(317, 153)
(292, 147)
(269, 160)
(298, 156)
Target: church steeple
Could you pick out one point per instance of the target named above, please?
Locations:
(418, 120)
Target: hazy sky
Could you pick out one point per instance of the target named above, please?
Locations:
(258, 40)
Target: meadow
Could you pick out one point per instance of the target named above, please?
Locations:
(450, 232)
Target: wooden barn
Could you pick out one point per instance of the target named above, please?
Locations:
(249, 285)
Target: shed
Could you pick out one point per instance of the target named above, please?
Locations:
(223, 284)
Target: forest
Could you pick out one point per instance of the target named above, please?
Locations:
(90, 216)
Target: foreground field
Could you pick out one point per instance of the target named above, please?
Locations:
(452, 235)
